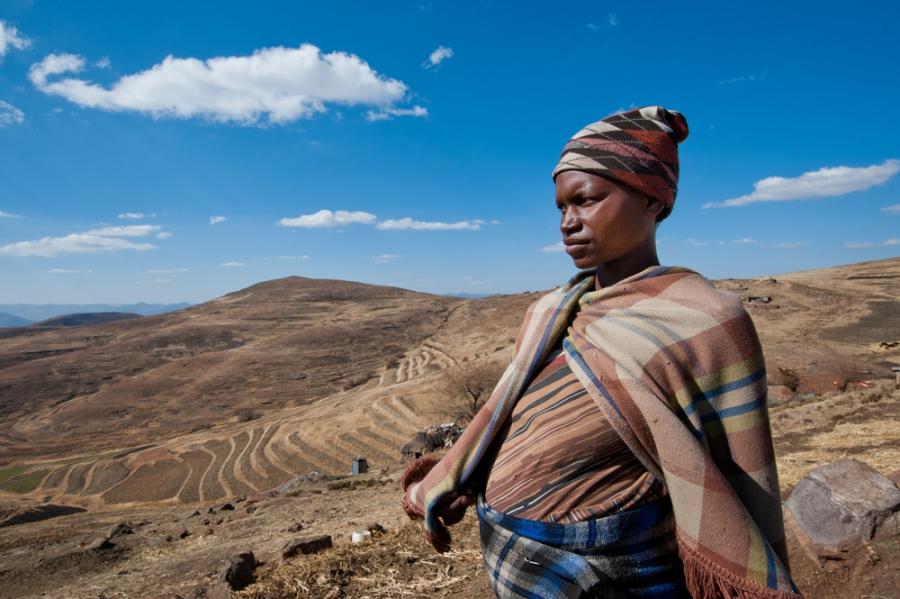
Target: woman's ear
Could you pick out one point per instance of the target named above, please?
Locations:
(654, 206)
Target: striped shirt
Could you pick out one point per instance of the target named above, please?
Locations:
(558, 458)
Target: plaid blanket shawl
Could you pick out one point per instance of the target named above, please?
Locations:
(627, 554)
(676, 367)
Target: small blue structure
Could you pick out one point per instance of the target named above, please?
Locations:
(360, 466)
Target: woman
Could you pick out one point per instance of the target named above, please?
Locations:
(626, 451)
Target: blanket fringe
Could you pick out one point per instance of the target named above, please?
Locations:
(707, 580)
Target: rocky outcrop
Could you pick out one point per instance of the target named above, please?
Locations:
(431, 438)
(836, 507)
(306, 546)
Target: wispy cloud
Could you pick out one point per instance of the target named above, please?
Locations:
(787, 245)
(418, 225)
(745, 78)
(439, 55)
(69, 271)
(744, 240)
(275, 85)
(11, 38)
(164, 235)
(855, 245)
(165, 271)
(10, 115)
(233, 264)
(384, 258)
(611, 20)
(135, 215)
(892, 209)
(215, 220)
(326, 219)
(303, 257)
(389, 113)
(8, 215)
(559, 246)
(104, 239)
(825, 182)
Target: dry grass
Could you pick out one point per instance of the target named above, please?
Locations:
(397, 563)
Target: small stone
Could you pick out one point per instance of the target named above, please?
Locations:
(376, 529)
(227, 507)
(306, 546)
(295, 527)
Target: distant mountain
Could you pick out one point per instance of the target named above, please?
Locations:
(11, 320)
(83, 319)
(38, 312)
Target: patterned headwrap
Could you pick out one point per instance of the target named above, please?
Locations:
(638, 148)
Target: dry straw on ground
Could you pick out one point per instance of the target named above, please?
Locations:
(397, 563)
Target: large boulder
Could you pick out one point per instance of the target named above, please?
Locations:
(836, 507)
(431, 438)
(239, 571)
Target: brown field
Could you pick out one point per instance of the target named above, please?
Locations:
(149, 418)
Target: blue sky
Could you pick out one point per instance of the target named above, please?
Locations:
(432, 126)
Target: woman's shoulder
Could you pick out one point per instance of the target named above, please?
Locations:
(696, 293)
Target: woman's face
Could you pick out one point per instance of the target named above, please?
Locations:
(602, 221)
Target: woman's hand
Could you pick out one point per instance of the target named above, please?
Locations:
(448, 511)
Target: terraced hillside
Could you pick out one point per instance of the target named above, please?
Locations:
(290, 376)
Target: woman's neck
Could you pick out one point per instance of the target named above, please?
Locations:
(613, 272)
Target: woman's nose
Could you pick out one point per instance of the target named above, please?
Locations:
(569, 222)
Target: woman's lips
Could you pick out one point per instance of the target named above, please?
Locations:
(575, 247)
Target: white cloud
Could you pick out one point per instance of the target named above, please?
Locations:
(417, 225)
(384, 258)
(234, 264)
(126, 231)
(745, 78)
(11, 38)
(612, 20)
(68, 271)
(389, 113)
(872, 244)
(744, 240)
(825, 182)
(271, 86)
(103, 63)
(164, 235)
(559, 246)
(788, 245)
(8, 215)
(10, 115)
(215, 220)
(892, 209)
(165, 271)
(104, 239)
(135, 215)
(303, 257)
(439, 55)
(326, 219)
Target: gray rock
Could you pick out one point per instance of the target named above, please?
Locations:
(122, 528)
(836, 507)
(100, 544)
(239, 572)
(306, 546)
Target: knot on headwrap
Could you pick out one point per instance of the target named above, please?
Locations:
(638, 148)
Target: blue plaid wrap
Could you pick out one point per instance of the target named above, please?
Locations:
(627, 554)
